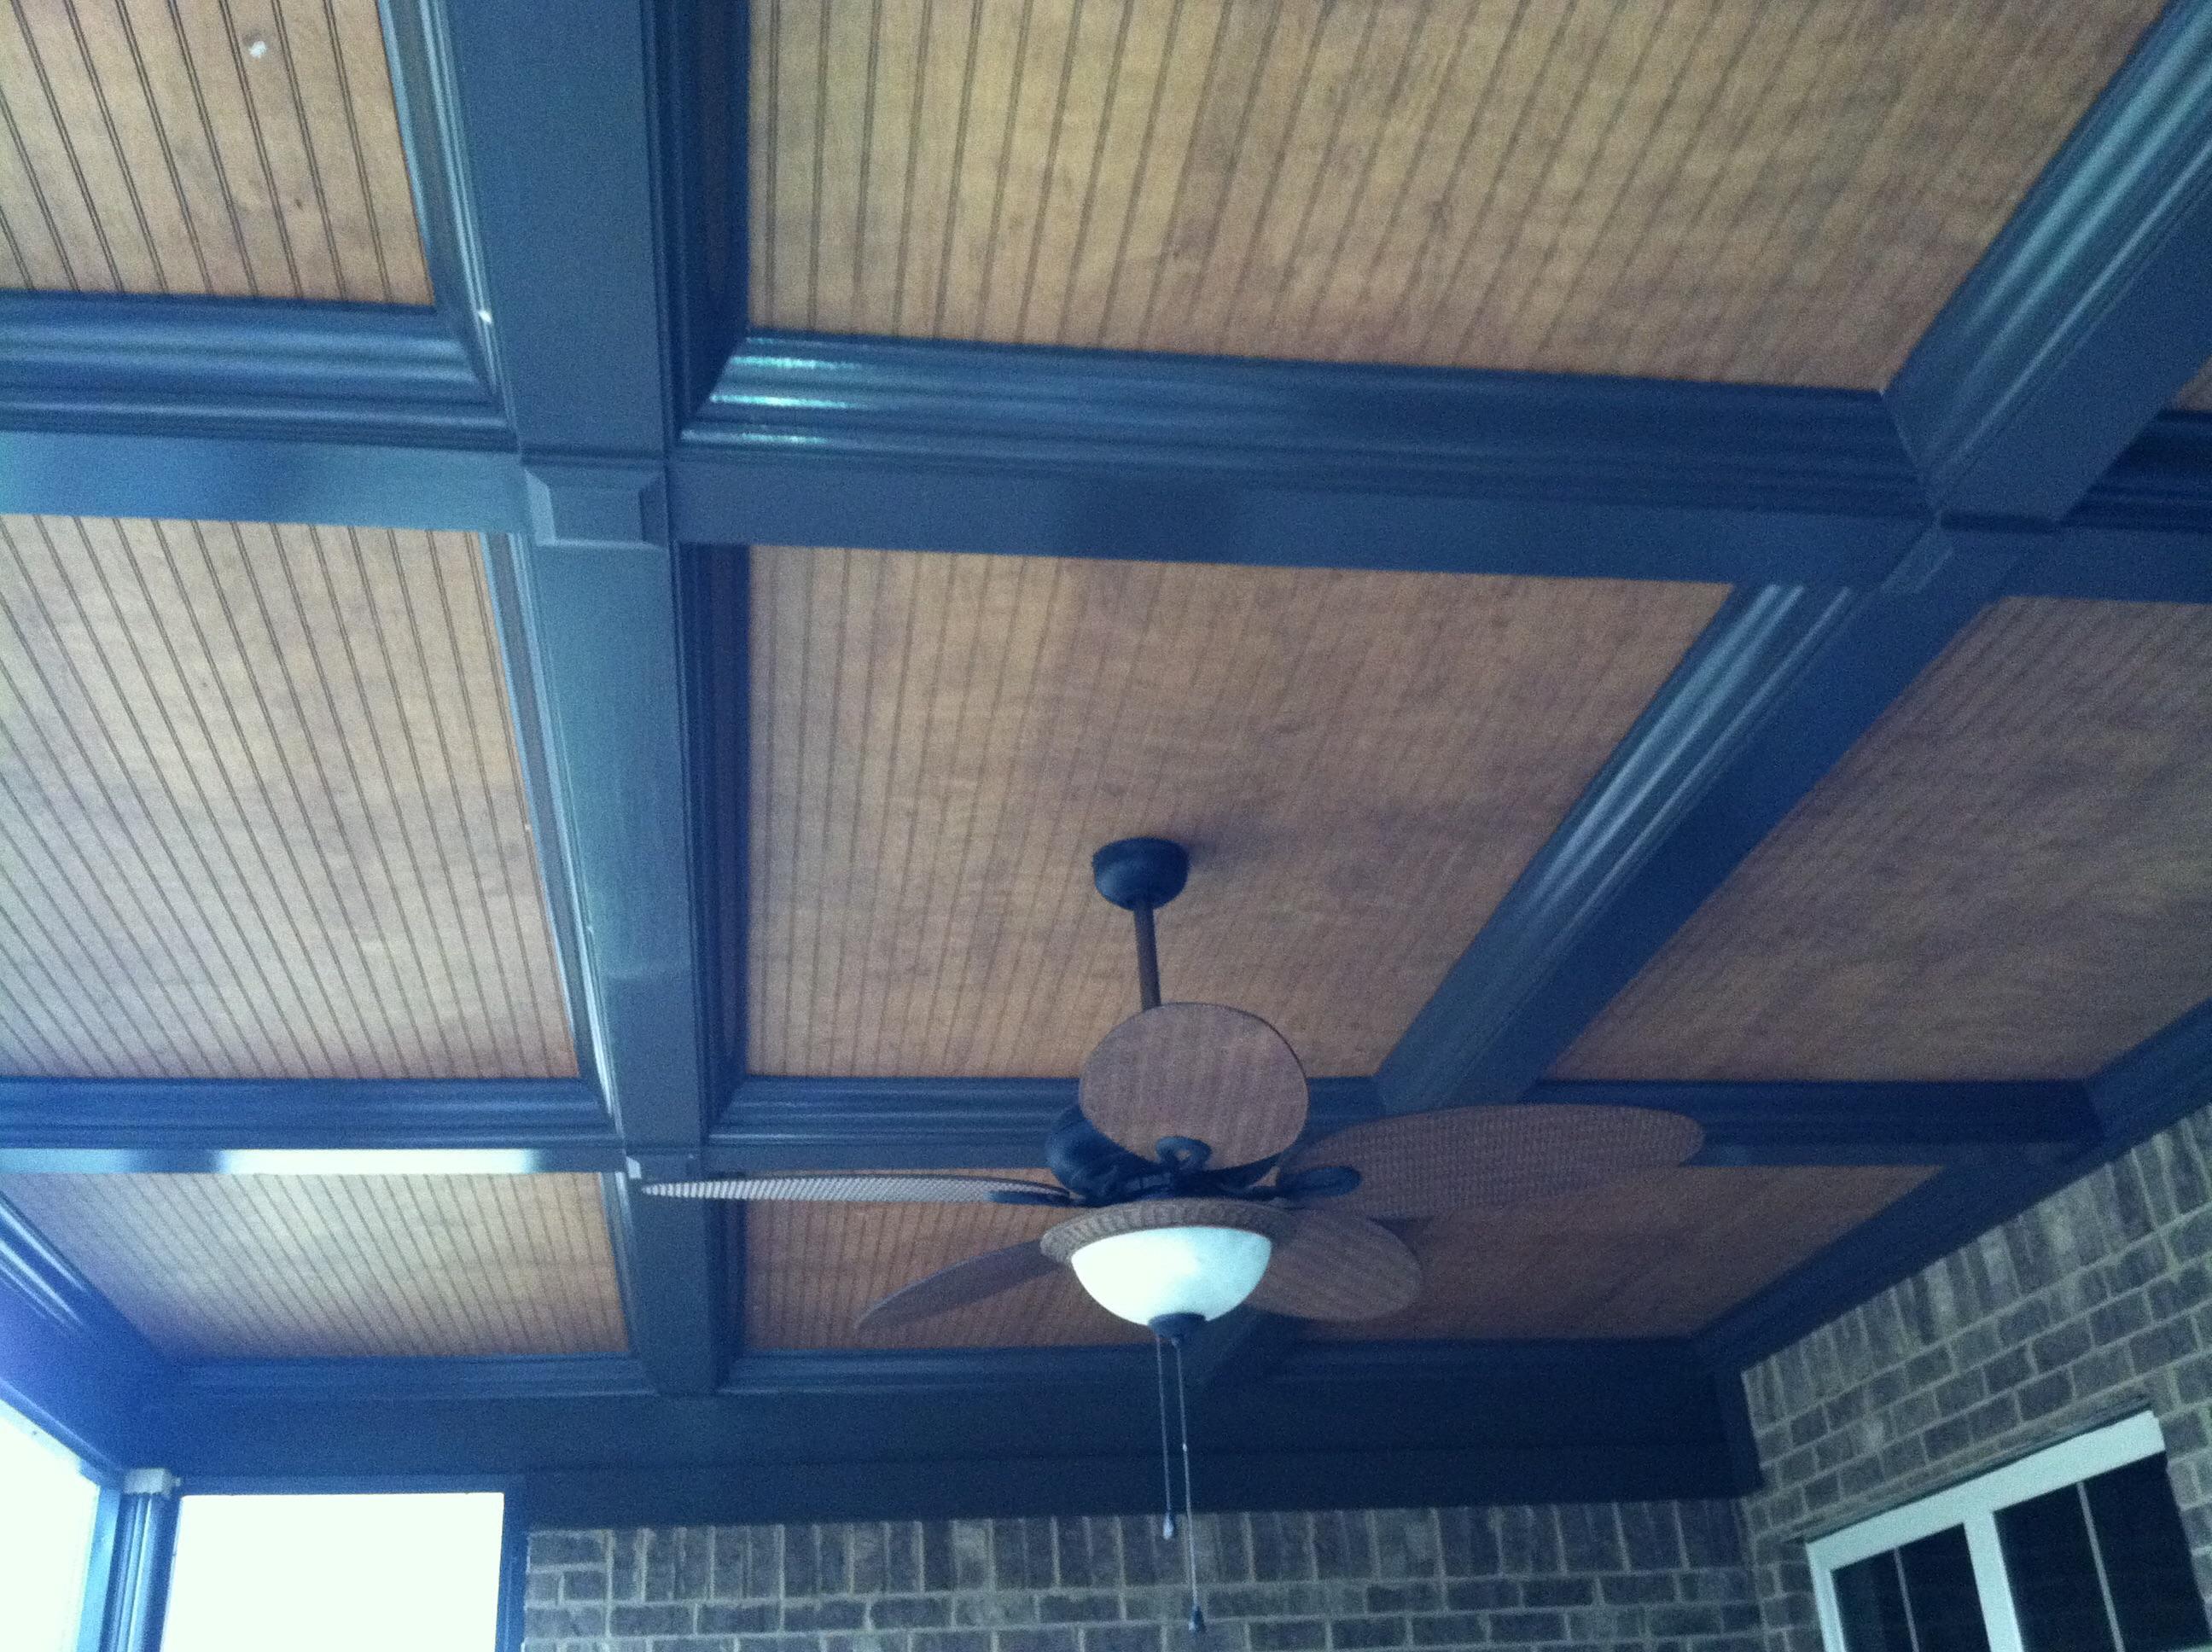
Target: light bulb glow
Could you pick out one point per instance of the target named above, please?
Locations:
(1140, 1275)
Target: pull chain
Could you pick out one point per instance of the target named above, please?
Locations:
(1189, 1513)
(1167, 1481)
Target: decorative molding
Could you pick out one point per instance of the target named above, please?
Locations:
(581, 506)
(796, 1437)
(2090, 310)
(2161, 1082)
(830, 1124)
(1032, 450)
(322, 1126)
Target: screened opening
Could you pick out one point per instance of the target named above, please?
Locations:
(48, 1508)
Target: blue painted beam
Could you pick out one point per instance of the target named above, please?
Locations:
(304, 1127)
(1781, 683)
(1029, 450)
(2164, 1080)
(987, 1432)
(68, 1360)
(980, 1123)
(2091, 307)
(570, 195)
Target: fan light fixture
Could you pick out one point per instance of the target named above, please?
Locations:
(1156, 1274)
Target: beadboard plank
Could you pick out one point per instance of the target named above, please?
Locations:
(1360, 762)
(261, 815)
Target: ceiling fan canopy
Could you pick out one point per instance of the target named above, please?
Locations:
(1194, 1187)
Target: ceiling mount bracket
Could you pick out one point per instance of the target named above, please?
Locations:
(1141, 871)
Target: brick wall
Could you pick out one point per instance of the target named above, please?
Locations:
(2096, 1303)
(1669, 1578)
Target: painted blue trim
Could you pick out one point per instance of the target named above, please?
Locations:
(68, 1360)
(2161, 1082)
(795, 1123)
(1036, 451)
(568, 222)
(510, 1375)
(1775, 692)
(325, 1126)
(2091, 307)
(887, 1435)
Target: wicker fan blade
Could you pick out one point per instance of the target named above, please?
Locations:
(1337, 1266)
(1219, 1075)
(1427, 1164)
(885, 1188)
(958, 1286)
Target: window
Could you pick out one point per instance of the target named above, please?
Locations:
(363, 1573)
(2076, 1549)
(47, 1508)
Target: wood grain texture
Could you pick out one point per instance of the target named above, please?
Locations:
(326, 1267)
(1661, 1255)
(260, 811)
(1776, 191)
(2008, 877)
(812, 1270)
(200, 146)
(1360, 762)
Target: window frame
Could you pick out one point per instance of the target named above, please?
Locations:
(1975, 1504)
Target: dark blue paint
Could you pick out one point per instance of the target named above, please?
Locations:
(813, 1436)
(2163, 1081)
(980, 1123)
(491, 1126)
(68, 1360)
(2088, 311)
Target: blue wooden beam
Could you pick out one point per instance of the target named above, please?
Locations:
(983, 447)
(797, 1436)
(2091, 309)
(570, 195)
(68, 1360)
(2161, 1082)
(981, 1123)
(317, 1127)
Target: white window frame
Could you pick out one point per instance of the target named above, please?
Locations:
(1975, 1505)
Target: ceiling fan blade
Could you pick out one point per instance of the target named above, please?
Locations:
(1218, 1075)
(958, 1286)
(885, 1188)
(1456, 1158)
(1335, 1265)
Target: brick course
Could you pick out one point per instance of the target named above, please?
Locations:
(1668, 1577)
(2096, 1303)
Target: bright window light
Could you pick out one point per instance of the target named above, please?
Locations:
(46, 1510)
(363, 1573)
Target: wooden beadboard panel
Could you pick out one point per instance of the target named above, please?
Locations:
(812, 1270)
(1774, 191)
(1661, 1255)
(326, 1268)
(2008, 877)
(260, 811)
(203, 146)
(1361, 763)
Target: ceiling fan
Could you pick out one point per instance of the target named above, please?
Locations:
(1190, 1189)
(1193, 1191)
